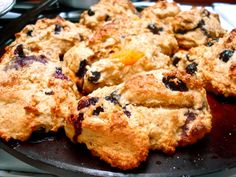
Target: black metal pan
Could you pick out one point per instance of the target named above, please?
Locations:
(215, 154)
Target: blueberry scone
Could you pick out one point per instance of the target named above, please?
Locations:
(196, 27)
(35, 93)
(214, 64)
(220, 66)
(120, 49)
(107, 10)
(50, 37)
(157, 110)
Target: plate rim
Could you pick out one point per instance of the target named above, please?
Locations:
(7, 8)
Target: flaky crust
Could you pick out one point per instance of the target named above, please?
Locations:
(35, 94)
(142, 112)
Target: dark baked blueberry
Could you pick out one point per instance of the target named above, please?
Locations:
(181, 31)
(107, 18)
(82, 69)
(95, 77)
(97, 111)
(175, 60)
(59, 74)
(61, 57)
(113, 97)
(191, 68)
(191, 116)
(86, 102)
(209, 44)
(226, 55)
(93, 100)
(212, 42)
(201, 23)
(205, 32)
(19, 51)
(126, 112)
(57, 29)
(91, 13)
(154, 29)
(20, 62)
(51, 92)
(188, 58)
(77, 123)
(175, 84)
(29, 33)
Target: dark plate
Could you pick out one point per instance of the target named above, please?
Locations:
(215, 153)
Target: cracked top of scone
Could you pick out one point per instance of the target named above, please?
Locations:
(35, 94)
(161, 11)
(157, 110)
(220, 65)
(107, 10)
(50, 37)
(196, 27)
(120, 49)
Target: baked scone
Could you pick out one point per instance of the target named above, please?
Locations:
(107, 10)
(35, 94)
(120, 49)
(219, 66)
(157, 110)
(49, 37)
(163, 11)
(196, 27)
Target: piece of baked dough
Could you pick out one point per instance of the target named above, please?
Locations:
(35, 94)
(157, 110)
